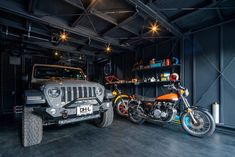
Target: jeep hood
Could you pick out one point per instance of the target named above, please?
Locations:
(70, 82)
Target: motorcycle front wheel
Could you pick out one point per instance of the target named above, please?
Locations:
(204, 126)
(133, 113)
(122, 107)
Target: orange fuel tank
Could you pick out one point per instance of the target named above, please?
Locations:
(168, 97)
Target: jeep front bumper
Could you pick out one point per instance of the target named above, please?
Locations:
(69, 113)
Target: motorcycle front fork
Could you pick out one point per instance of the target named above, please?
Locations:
(187, 106)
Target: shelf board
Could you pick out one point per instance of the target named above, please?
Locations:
(119, 83)
(158, 68)
(142, 83)
(158, 83)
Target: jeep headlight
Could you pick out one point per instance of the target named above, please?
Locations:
(54, 92)
(98, 91)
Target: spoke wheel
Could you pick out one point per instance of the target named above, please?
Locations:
(204, 125)
(122, 107)
(133, 113)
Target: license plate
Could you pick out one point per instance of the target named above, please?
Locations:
(84, 109)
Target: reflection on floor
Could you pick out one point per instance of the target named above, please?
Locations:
(121, 140)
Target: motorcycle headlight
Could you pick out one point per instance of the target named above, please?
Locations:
(98, 91)
(182, 91)
(54, 92)
(186, 93)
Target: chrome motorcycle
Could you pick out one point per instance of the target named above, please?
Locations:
(167, 108)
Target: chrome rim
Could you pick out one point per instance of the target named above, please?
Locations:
(202, 126)
(122, 107)
(134, 114)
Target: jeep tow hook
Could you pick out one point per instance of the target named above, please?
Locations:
(64, 114)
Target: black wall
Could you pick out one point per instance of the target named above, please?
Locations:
(209, 69)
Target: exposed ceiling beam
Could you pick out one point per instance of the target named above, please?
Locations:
(85, 10)
(144, 36)
(196, 11)
(76, 3)
(123, 26)
(114, 22)
(218, 11)
(195, 30)
(15, 25)
(147, 9)
(48, 45)
(13, 8)
(31, 6)
(107, 18)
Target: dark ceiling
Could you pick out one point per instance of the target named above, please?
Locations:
(93, 24)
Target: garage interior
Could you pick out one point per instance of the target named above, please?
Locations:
(121, 43)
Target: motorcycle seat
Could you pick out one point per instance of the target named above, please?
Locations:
(145, 99)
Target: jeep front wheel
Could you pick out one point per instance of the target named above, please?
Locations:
(106, 118)
(32, 129)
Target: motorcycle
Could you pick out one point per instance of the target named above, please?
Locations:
(167, 108)
(120, 101)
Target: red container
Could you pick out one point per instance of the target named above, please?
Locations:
(167, 62)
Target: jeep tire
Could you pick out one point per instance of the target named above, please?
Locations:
(106, 118)
(32, 129)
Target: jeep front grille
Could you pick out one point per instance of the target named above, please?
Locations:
(71, 93)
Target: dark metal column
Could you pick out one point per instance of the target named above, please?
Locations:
(182, 70)
(194, 71)
(221, 86)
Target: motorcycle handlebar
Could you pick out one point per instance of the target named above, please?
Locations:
(172, 86)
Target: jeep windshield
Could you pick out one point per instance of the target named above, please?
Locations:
(43, 72)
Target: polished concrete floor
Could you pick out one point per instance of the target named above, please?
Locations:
(122, 139)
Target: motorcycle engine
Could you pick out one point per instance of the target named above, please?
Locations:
(164, 111)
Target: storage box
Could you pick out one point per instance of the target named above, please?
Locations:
(157, 64)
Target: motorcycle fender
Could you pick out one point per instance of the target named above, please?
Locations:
(120, 96)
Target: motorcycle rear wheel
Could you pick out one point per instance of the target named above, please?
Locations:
(205, 123)
(133, 114)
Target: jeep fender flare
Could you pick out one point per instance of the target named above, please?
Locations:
(33, 97)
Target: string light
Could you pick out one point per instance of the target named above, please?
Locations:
(63, 36)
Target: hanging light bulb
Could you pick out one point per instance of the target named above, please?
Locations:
(63, 36)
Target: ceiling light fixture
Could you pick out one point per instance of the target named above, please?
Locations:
(63, 36)
(56, 53)
(154, 28)
(108, 48)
